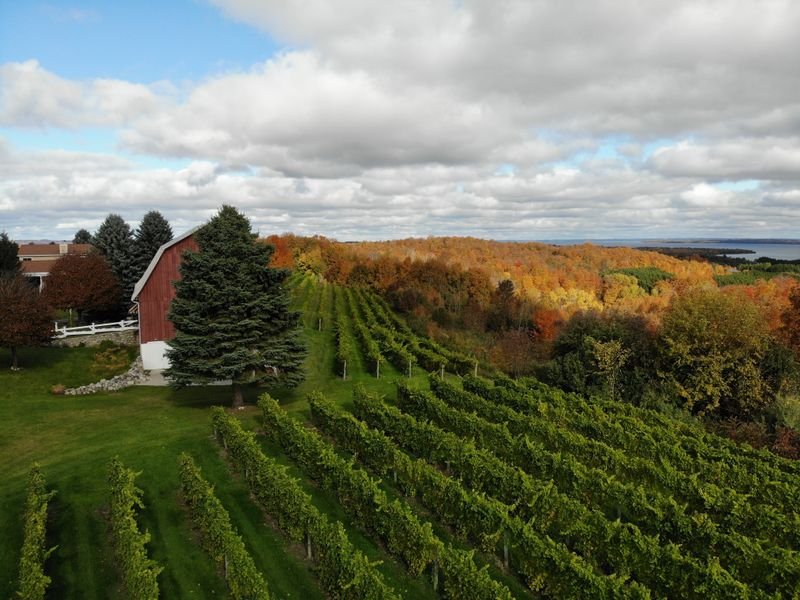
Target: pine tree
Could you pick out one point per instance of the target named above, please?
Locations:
(114, 240)
(231, 312)
(152, 233)
(82, 237)
(9, 257)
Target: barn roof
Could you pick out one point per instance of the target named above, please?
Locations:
(151, 267)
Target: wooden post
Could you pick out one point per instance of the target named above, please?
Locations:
(409, 367)
(308, 545)
(435, 576)
(476, 369)
(377, 369)
(344, 371)
(505, 549)
(319, 324)
(443, 371)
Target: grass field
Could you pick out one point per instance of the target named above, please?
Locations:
(74, 437)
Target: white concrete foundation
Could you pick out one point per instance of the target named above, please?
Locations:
(154, 356)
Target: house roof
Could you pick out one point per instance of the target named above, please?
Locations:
(151, 267)
(53, 249)
(31, 267)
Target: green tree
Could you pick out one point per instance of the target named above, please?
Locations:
(25, 317)
(153, 232)
(609, 358)
(577, 367)
(9, 257)
(82, 237)
(114, 240)
(231, 312)
(712, 346)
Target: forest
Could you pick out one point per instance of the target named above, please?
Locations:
(716, 340)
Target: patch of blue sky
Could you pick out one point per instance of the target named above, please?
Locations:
(505, 169)
(606, 148)
(744, 185)
(96, 140)
(650, 147)
(89, 140)
(176, 40)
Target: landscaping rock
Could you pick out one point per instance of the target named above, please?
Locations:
(133, 376)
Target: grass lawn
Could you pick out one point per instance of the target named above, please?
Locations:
(74, 437)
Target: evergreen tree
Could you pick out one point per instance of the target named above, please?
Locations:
(231, 312)
(9, 257)
(82, 237)
(153, 232)
(114, 240)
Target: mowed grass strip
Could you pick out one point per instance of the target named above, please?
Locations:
(74, 437)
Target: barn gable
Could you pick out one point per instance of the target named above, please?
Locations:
(154, 293)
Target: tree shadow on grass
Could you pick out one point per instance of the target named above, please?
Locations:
(43, 357)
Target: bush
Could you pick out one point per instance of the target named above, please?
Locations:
(787, 443)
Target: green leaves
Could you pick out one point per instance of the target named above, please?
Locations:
(219, 537)
(139, 572)
(344, 572)
(33, 582)
(231, 312)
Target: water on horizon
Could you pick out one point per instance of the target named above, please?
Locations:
(780, 251)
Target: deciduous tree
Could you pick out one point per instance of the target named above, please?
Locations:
(712, 345)
(791, 321)
(25, 317)
(82, 283)
(231, 312)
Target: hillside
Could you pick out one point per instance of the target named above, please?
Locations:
(560, 496)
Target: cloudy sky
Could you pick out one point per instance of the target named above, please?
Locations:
(357, 119)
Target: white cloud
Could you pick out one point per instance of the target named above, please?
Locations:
(517, 119)
(741, 158)
(31, 96)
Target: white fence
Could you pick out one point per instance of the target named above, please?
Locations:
(62, 332)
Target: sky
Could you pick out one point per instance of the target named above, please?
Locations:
(356, 119)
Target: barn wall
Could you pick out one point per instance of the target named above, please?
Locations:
(158, 292)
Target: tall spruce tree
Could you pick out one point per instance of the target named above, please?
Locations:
(231, 312)
(114, 240)
(9, 257)
(152, 233)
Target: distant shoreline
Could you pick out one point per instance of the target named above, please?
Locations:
(732, 241)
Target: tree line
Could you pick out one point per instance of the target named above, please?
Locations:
(646, 335)
(95, 285)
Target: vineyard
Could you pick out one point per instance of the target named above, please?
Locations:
(399, 469)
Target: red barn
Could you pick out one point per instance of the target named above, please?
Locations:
(154, 293)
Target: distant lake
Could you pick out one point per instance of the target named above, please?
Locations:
(785, 251)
